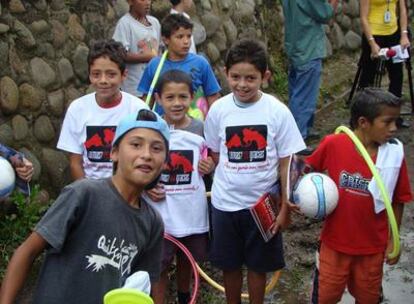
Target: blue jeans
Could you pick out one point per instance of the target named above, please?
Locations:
(304, 84)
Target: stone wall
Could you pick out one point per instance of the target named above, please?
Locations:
(44, 45)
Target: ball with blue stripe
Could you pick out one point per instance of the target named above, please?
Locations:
(316, 195)
(7, 178)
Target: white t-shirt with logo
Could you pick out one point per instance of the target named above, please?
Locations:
(184, 211)
(250, 142)
(88, 130)
(136, 36)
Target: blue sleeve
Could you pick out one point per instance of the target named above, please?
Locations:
(319, 10)
(210, 83)
(149, 72)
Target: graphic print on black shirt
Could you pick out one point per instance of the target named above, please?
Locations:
(179, 168)
(246, 144)
(98, 143)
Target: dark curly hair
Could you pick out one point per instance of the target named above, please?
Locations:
(172, 23)
(112, 49)
(174, 76)
(250, 51)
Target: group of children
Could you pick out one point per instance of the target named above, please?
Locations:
(140, 174)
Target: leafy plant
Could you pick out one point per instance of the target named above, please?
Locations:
(15, 227)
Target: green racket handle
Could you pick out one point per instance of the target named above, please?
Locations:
(155, 79)
(388, 207)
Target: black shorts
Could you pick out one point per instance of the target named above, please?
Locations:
(237, 241)
(197, 244)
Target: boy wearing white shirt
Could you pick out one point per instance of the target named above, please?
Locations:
(140, 34)
(251, 136)
(180, 196)
(90, 121)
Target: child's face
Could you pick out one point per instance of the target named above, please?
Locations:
(383, 127)
(139, 7)
(175, 99)
(140, 154)
(245, 80)
(179, 43)
(106, 77)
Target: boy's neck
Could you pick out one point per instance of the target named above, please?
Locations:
(370, 145)
(175, 57)
(130, 193)
(184, 123)
(110, 102)
(140, 18)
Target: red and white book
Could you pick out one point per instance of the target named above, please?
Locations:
(266, 208)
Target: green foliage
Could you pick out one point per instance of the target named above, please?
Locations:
(15, 227)
(279, 80)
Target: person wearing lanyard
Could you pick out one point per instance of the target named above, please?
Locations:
(382, 28)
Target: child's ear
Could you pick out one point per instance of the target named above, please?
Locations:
(157, 98)
(165, 40)
(266, 77)
(124, 74)
(114, 153)
(362, 122)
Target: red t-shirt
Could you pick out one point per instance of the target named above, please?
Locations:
(354, 228)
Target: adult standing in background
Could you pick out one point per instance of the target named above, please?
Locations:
(305, 47)
(383, 28)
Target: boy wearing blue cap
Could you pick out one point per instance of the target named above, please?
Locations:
(98, 232)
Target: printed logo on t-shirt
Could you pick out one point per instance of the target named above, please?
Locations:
(98, 143)
(246, 144)
(179, 168)
(354, 182)
(115, 253)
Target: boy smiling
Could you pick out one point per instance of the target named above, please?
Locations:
(89, 124)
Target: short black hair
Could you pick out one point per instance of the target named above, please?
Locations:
(249, 51)
(112, 49)
(172, 23)
(175, 2)
(369, 103)
(174, 76)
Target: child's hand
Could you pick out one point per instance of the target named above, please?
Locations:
(24, 170)
(157, 194)
(294, 208)
(390, 247)
(206, 166)
(282, 220)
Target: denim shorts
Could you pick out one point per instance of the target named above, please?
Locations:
(237, 241)
(197, 244)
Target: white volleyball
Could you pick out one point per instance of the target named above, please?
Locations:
(7, 178)
(316, 195)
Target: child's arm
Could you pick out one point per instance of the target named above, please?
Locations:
(157, 194)
(212, 98)
(24, 169)
(19, 267)
(283, 219)
(215, 156)
(76, 166)
(142, 56)
(398, 212)
(206, 166)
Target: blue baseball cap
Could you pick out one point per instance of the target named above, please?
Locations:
(143, 119)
